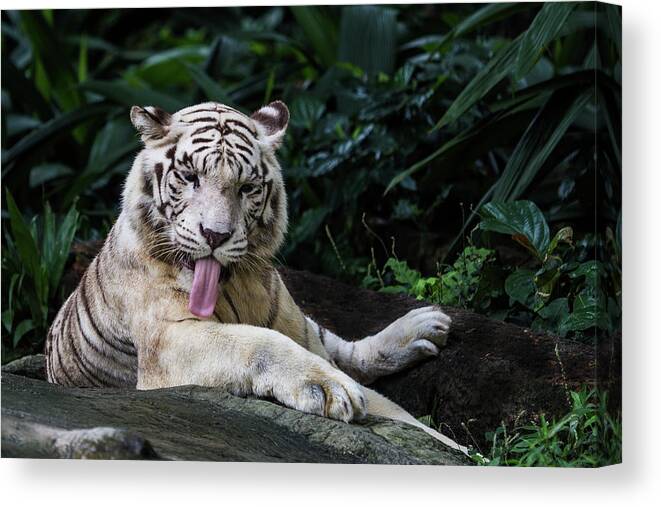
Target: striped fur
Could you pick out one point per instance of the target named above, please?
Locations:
(127, 324)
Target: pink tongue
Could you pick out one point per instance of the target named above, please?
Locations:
(204, 293)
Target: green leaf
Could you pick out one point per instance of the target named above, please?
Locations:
(40, 138)
(497, 130)
(212, 90)
(402, 272)
(127, 95)
(544, 28)
(320, 30)
(62, 246)
(23, 328)
(553, 315)
(522, 220)
(507, 60)
(539, 141)
(44, 173)
(306, 110)
(564, 235)
(481, 17)
(493, 73)
(368, 38)
(51, 54)
(23, 239)
(520, 287)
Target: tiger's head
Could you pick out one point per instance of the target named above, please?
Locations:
(207, 184)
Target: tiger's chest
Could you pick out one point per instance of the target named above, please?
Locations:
(242, 299)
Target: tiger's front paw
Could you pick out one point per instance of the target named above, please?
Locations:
(316, 387)
(417, 335)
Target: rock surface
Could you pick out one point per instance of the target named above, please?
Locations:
(42, 420)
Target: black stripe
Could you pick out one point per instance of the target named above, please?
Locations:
(242, 136)
(322, 333)
(199, 140)
(59, 359)
(243, 148)
(201, 148)
(83, 296)
(98, 279)
(243, 157)
(118, 381)
(202, 130)
(241, 124)
(82, 367)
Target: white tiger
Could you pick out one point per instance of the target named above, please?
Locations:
(184, 290)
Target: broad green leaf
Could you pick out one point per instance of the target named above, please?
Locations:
(306, 111)
(553, 315)
(44, 173)
(520, 287)
(168, 66)
(544, 28)
(40, 138)
(23, 328)
(114, 143)
(127, 95)
(306, 226)
(522, 220)
(403, 273)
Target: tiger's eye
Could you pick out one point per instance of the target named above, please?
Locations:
(246, 188)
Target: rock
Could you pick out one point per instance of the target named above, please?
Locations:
(490, 372)
(43, 420)
(28, 366)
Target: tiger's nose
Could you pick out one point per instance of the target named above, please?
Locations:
(215, 238)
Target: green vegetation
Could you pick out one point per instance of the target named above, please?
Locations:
(466, 154)
(587, 436)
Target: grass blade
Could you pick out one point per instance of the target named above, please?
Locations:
(539, 140)
(544, 28)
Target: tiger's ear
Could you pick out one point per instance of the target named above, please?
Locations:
(151, 122)
(272, 120)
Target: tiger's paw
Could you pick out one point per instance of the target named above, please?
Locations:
(318, 388)
(416, 336)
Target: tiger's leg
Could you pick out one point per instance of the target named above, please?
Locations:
(247, 360)
(416, 336)
(379, 405)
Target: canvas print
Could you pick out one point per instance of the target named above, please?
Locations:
(342, 234)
